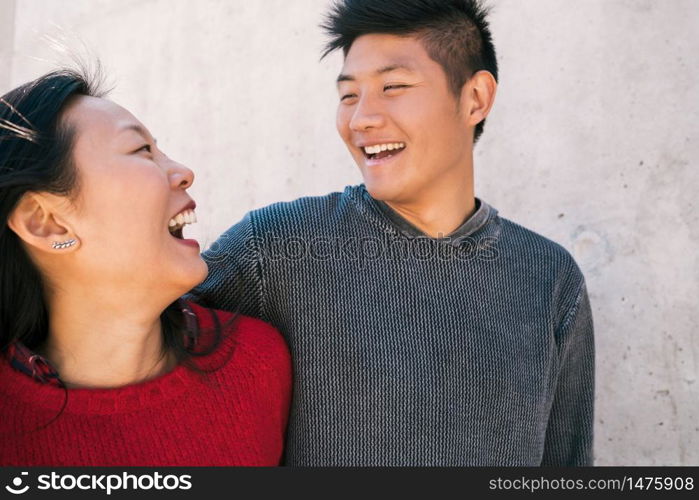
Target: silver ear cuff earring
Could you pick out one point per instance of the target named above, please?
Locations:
(60, 245)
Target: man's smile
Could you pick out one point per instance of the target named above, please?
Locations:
(379, 153)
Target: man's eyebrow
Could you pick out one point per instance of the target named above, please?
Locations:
(386, 69)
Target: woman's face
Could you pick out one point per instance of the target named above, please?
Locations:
(128, 191)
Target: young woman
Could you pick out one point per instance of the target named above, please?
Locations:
(101, 363)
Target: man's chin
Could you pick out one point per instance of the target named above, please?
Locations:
(383, 191)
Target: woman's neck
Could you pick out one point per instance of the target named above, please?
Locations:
(101, 345)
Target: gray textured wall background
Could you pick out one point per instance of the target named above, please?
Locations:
(593, 142)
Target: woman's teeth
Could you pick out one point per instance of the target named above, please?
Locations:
(182, 219)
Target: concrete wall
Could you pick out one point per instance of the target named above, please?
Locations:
(7, 36)
(593, 142)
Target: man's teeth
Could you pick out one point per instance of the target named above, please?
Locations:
(179, 220)
(377, 148)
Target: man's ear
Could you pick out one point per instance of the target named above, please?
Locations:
(34, 220)
(477, 97)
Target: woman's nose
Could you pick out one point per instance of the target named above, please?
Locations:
(180, 176)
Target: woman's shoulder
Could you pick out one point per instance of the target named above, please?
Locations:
(254, 336)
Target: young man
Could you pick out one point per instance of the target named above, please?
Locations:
(425, 329)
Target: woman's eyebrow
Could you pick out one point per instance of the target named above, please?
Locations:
(138, 129)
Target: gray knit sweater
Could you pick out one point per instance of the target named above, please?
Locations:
(473, 349)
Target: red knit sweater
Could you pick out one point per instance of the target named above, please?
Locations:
(235, 415)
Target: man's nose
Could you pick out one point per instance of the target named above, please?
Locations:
(368, 113)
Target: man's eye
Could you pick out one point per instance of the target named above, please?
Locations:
(145, 147)
(347, 96)
(395, 86)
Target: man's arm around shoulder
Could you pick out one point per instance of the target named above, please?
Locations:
(234, 282)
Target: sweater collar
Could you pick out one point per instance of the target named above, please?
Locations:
(484, 214)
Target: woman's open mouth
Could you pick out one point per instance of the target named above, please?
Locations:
(179, 221)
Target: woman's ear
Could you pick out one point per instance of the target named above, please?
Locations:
(35, 221)
(477, 97)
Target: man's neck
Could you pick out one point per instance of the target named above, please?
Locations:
(441, 212)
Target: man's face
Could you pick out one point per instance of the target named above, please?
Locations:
(394, 97)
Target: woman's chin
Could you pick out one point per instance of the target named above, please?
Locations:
(189, 275)
(199, 272)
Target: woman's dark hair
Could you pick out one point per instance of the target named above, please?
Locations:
(455, 33)
(36, 156)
